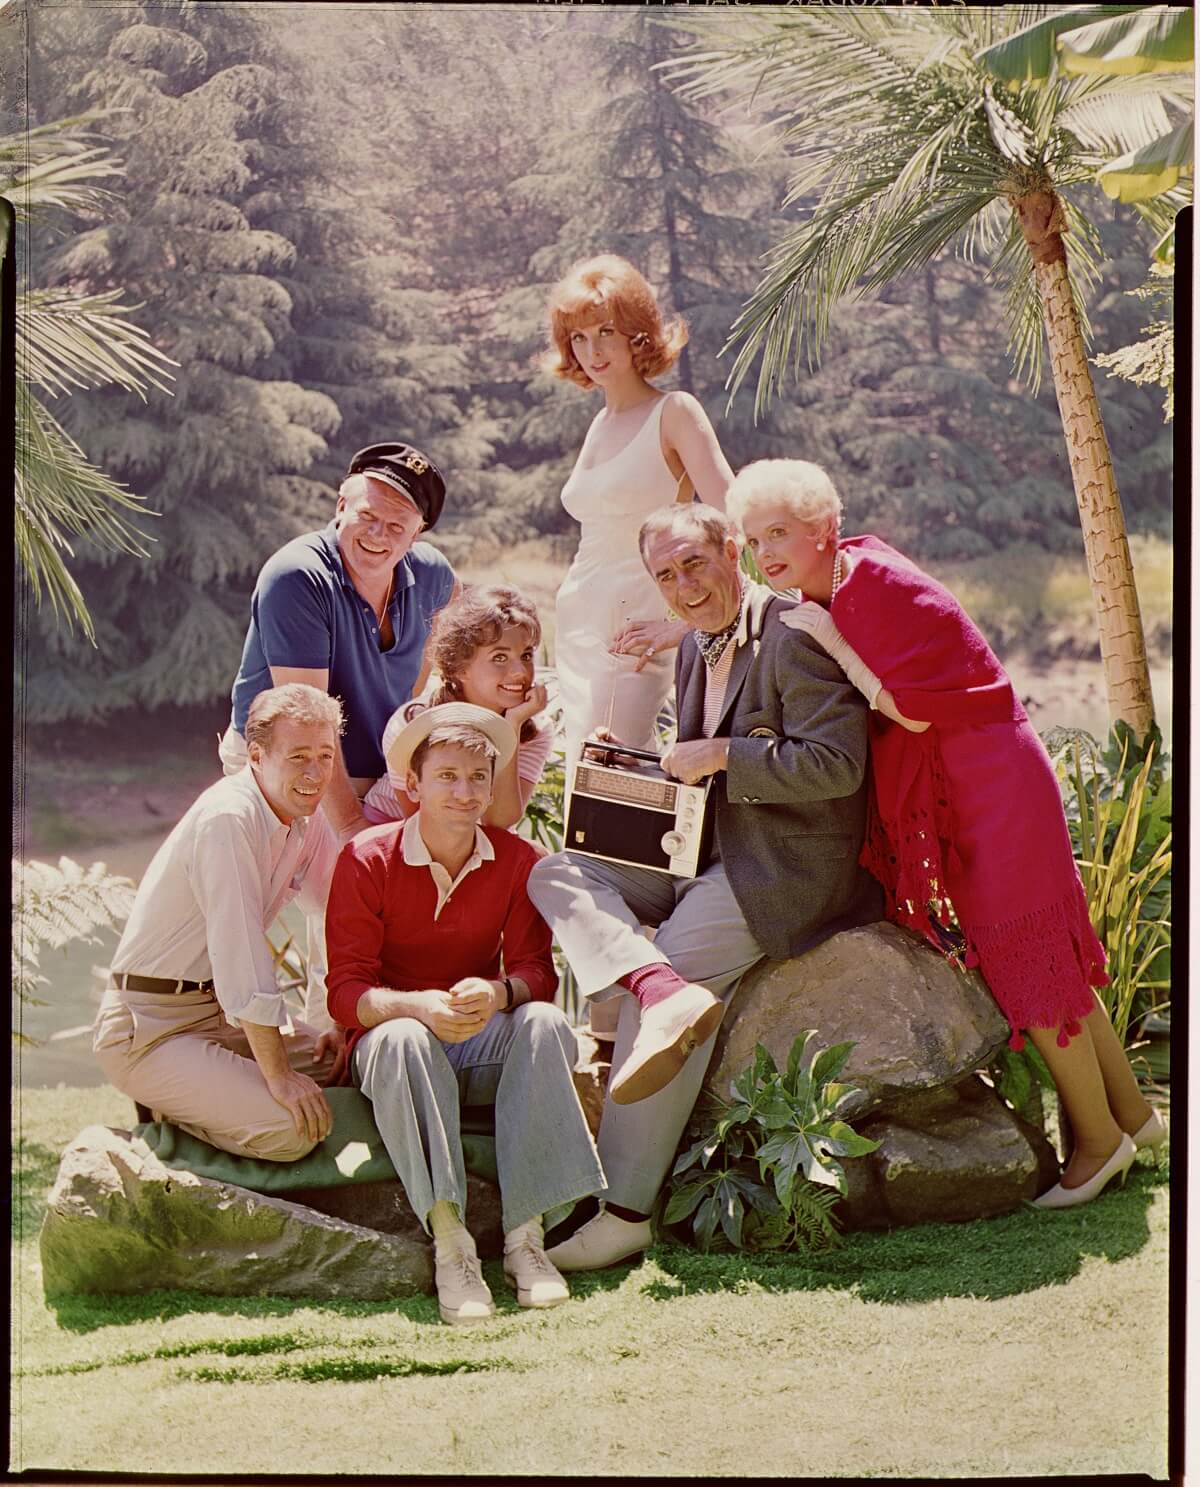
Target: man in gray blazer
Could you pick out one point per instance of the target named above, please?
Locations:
(765, 712)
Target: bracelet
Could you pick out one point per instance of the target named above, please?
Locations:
(508, 994)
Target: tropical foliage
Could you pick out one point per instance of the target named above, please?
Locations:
(767, 1173)
(352, 257)
(69, 338)
(903, 147)
(52, 906)
(1118, 802)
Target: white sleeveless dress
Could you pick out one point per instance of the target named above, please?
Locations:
(607, 585)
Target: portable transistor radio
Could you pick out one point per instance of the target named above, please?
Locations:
(634, 813)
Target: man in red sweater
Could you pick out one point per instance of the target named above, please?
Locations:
(440, 968)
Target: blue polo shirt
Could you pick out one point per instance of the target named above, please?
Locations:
(306, 612)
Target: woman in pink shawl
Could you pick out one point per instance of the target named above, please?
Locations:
(966, 812)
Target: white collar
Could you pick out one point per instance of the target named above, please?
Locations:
(417, 854)
(264, 807)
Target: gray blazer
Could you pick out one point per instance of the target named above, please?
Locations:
(792, 805)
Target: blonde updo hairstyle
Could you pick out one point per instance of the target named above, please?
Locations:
(804, 488)
(610, 288)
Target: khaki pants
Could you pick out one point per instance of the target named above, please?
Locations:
(181, 1057)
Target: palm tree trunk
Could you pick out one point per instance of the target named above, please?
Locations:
(1110, 567)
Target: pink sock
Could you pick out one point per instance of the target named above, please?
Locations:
(653, 983)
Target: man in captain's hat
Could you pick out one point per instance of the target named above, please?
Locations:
(348, 610)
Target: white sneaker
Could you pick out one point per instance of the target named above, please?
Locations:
(602, 1241)
(527, 1269)
(463, 1296)
(670, 1033)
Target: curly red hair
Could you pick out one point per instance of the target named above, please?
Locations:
(610, 288)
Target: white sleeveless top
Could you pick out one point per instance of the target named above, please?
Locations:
(607, 585)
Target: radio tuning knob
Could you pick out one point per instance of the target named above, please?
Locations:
(673, 843)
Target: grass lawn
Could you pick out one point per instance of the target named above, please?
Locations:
(1032, 1344)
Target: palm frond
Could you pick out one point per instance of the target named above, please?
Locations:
(59, 494)
(67, 340)
(1112, 115)
(54, 905)
(57, 166)
(1022, 305)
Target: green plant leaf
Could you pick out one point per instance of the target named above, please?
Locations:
(684, 1200)
(704, 1224)
(1030, 54)
(842, 1140)
(795, 1060)
(1155, 38)
(829, 1064)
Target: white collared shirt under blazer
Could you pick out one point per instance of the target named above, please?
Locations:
(213, 890)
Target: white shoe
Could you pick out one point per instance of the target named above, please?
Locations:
(527, 1269)
(1116, 1166)
(670, 1033)
(463, 1296)
(1151, 1135)
(602, 1241)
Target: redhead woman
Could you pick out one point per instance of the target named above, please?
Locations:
(614, 643)
(966, 811)
(483, 648)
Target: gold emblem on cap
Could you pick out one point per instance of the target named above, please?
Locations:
(415, 463)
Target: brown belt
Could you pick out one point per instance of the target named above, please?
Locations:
(126, 982)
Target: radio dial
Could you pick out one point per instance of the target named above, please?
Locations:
(673, 843)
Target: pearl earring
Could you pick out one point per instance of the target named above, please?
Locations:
(820, 547)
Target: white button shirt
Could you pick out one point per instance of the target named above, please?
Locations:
(215, 887)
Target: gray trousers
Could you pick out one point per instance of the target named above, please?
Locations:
(596, 910)
(521, 1063)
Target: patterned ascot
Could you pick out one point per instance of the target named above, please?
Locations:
(713, 647)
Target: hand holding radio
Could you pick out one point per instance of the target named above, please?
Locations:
(695, 760)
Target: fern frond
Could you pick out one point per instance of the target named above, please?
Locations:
(54, 905)
(811, 1213)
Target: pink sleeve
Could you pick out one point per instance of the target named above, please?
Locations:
(532, 756)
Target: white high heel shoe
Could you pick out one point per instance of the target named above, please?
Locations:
(1116, 1166)
(1151, 1135)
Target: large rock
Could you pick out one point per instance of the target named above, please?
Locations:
(950, 1148)
(117, 1220)
(384, 1206)
(916, 1021)
(966, 1156)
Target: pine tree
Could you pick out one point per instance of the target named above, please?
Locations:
(227, 461)
(641, 172)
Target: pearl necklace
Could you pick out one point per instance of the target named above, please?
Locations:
(838, 575)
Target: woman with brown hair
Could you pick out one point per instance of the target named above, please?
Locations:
(484, 645)
(645, 448)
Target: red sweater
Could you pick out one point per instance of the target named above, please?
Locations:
(380, 929)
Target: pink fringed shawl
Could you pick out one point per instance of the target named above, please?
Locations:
(1041, 959)
(917, 639)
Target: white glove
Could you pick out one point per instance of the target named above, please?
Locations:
(818, 623)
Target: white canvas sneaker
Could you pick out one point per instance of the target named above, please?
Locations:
(463, 1296)
(527, 1269)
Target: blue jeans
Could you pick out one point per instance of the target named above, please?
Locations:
(521, 1063)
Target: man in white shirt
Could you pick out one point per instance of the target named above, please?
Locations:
(193, 1023)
